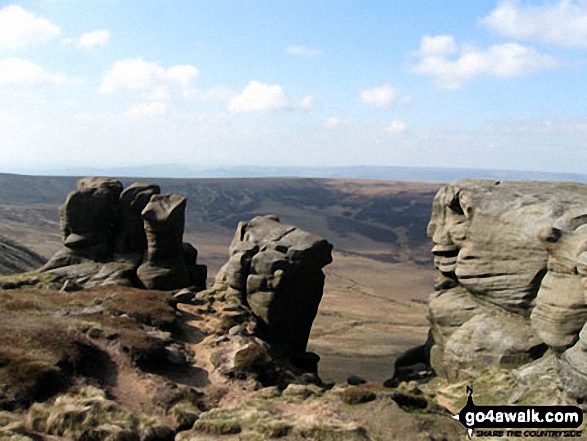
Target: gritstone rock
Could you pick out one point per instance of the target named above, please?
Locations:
(505, 252)
(86, 221)
(270, 288)
(276, 269)
(164, 221)
(107, 233)
(131, 237)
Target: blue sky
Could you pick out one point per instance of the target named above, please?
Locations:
(484, 84)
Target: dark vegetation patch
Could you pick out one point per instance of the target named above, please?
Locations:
(51, 340)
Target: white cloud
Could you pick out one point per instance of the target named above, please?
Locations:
(303, 51)
(95, 38)
(306, 102)
(332, 122)
(563, 23)
(381, 96)
(505, 60)
(183, 74)
(24, 73)
(397, 127)
(20, 28)
(258, 97)
(137, 75)
(148, 110)
(438, 45)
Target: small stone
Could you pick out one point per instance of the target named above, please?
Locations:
(297, 391)
(95, 332)
(269, 392)
(236, 330)
(97, 309)
(184, 296)
(69, 286)
(355, 380)
(174, 355)
(162, 336)
(391, 383)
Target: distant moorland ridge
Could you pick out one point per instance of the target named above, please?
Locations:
(382, 220)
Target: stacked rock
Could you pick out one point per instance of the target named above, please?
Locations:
(102, 224)
(275, 270)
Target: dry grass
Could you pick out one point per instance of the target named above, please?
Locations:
(49, 338)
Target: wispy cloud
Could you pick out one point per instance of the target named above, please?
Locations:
(148, 110)
(332, 122)
(95, 38)
(381, 96)
(397, 127)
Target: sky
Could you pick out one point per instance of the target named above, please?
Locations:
(310, 83)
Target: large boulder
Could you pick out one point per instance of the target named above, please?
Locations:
(87, 220)
(501, 259)
(276, 271)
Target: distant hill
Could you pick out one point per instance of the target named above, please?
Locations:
(386, 173)
(15, 258)
(384, 220)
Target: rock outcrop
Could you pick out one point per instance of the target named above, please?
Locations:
(131, 237)
(511, 261)
(275, 272)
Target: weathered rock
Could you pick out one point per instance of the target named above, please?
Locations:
(276, 270)
(166, 267)
(561, 309)
(498, 340)
(164, 221)
(101, 224)
(505, 251)
(130, 236)
(88, 216)
(241, 354)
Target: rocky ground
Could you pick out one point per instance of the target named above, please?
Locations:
(118, 363)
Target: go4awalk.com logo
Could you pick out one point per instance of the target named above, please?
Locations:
(520, 421)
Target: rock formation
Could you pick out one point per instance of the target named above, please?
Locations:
(275, 271)
(130, 235)
(511, 264)
(108, 232)
(164, 222)
(87, 218)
